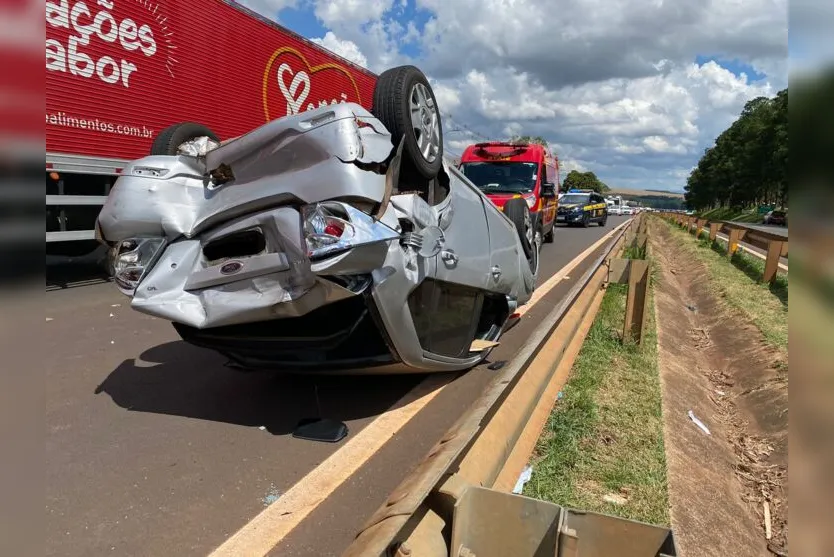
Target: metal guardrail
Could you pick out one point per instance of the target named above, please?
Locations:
(775, 242)
(486, 449)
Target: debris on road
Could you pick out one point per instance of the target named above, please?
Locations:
(767, 521)
(525, 476)
(272, 495)
(496, 365)
(479, 345)
(49, 319)
(698, 422)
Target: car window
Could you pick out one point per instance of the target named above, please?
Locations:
(502, 177)
(575, 198)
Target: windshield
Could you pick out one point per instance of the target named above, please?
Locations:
(502, 177)
(575, 198)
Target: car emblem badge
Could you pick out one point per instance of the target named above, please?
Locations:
(231, 267)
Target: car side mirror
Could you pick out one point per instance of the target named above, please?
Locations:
(548, 189)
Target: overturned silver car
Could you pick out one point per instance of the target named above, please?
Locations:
(336, 239)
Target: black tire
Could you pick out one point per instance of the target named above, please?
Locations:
(548, 238)
(169, 139)
(516, 210)
(586, 221)
(392, 106)
(604, 220)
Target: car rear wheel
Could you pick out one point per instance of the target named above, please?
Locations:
(548, 238)
(169, 140)
(405, 103)
(586, 221)
(604, 220)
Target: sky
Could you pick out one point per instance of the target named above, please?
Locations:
(633, 90)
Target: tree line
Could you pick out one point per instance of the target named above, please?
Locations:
(574, 179)
(748, 164)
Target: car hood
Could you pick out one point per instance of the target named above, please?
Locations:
(330, 152)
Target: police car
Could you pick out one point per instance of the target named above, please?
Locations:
(582, 207)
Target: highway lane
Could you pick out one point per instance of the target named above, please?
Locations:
(155, 447)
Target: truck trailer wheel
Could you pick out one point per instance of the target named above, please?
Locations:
(404, 102)
(169, 139)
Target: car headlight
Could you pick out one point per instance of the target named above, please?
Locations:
(576, 210)
(131, 259)
(531, 201)
(332, 227)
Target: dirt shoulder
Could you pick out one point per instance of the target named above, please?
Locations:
(716, 363)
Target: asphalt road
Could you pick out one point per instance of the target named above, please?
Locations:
(154, 447)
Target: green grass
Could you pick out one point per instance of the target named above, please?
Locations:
(726, 213)
(739, 284)
(605, 435)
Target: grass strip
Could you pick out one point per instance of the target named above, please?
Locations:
(604, 440)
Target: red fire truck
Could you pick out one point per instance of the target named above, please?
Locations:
(505, 171)
(120, 71)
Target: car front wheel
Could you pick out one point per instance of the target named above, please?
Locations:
(531, 238)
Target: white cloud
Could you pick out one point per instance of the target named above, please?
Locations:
(613, 85)
(335, 13)
(345, 49)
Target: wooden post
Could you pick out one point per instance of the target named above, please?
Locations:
(732, 245)
(713, 230)
(774, 252)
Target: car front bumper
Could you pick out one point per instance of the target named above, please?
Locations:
(570, 217)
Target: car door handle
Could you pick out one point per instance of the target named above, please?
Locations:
(449, 257)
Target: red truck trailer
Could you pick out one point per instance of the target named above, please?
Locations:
(120, 71)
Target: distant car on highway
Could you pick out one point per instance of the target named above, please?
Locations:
(627, 210)
(776, 217)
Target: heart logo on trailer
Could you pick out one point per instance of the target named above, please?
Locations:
(291, 85)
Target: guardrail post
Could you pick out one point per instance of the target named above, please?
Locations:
(699, 228)
(713, 230)
(635, 273)
(732, 244)
(774, 252)
(637, 300)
